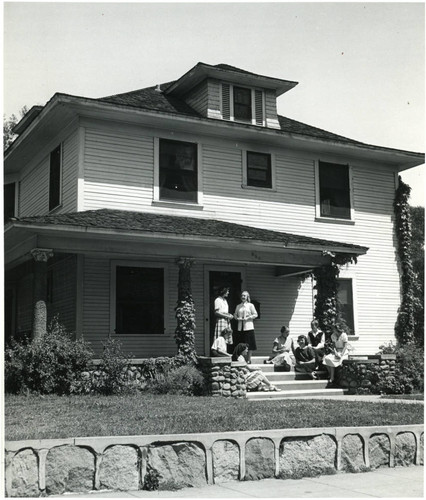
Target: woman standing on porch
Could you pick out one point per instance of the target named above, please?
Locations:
(221, 311)
(245, 313)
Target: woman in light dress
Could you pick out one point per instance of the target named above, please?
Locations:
(282, 349)
(256, 380)
(338, 355)
(245, 313)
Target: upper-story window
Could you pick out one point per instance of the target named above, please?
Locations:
(55, 178)
(259, 170)
(9, 201)
(178, 170)
(243, 104)
(333, 191)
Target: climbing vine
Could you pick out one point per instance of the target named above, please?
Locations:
(327, 308)
(185, 315)
(404, 328)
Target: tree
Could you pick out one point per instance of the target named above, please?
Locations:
(417, 251)
(8, 124)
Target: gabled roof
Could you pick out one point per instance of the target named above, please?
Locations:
(128, 222)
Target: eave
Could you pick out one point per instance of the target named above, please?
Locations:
(62, 109)
(202, 71)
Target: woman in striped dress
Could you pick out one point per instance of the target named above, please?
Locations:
(221, 311)
(255, 379)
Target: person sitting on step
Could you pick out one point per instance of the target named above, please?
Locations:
(256, 380)
(282, 349)
(219, 347)
(305, 357)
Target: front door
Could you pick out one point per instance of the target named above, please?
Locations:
(218, 279)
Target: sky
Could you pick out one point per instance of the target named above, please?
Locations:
(360, 66)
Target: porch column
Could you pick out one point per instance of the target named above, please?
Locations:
(185, 311)
(40, 256)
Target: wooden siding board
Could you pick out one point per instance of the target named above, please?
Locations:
(124, 180)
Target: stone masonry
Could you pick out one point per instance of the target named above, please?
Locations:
(54, 467)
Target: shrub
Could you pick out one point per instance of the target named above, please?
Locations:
(48, 364)
(409, 372)
(111, 376)
(185, 380)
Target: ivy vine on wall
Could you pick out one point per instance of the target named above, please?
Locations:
(185, 314)
(404, 328)
(327, 308)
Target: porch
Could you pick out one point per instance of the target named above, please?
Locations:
(116, 272)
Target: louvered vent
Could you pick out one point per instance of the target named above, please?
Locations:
(258, 102)
(226, 102)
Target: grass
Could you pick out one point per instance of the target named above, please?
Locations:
(417, 397)
(45, 417)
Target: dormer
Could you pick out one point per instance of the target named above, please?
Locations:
(227, 93)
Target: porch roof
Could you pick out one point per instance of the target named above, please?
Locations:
(128, 222)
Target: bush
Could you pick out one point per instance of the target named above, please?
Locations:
(46, 365)
(409, 372)
(111, 375)
(186, 380)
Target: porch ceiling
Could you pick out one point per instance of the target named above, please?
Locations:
(118, 231)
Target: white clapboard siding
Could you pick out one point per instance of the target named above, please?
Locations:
(96, 311)
(64, 292)
(34, 191)
(283, 301)
(118, 170)
(24, 301)
(198, 98)
(34, 185)
(119, 174)
(69, 174)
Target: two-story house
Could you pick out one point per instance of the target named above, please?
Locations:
(107, 196)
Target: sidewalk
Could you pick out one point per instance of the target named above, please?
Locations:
(398, 482)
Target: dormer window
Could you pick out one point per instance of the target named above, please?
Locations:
(243, 104)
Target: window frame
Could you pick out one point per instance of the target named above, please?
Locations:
(245, 184)
(15, 200)
(253, 104)
(113, 297)
(61, 152)
(323, 218)
(352, 281)
(156, 188)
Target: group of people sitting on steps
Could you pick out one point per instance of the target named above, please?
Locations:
(309, 357)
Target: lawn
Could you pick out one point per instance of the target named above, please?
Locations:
(43, 417)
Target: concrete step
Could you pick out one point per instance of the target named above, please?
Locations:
(288, 376)
(290, 394)
(300, 384)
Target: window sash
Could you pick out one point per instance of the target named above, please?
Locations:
(259, 170)
(178, 170)
(55, 178)
(334, 190)
(139, 300)
(242, 104)
(346, 302)
(9, 201)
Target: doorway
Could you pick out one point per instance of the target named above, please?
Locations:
(218, 279)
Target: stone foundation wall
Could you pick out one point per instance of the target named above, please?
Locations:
(166, 462)
(224, 378)
(359, 373)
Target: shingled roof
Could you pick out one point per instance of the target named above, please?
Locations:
(151, 98)
(127, 221)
